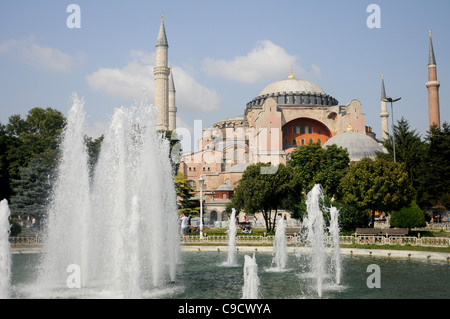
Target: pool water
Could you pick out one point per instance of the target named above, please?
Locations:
(201, 275)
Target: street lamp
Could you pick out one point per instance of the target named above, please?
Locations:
(391, 100)
(201, 180)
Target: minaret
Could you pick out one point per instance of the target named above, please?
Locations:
(172, 104)
(433, 88)
(384, 113)
(161, 72)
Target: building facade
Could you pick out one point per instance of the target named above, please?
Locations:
(285, 115)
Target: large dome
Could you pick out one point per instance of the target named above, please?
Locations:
(292, 85)
(293, 92)
(359, 145)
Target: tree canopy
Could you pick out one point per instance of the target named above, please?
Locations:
(375, 185)
(260, 192)
(313, 164)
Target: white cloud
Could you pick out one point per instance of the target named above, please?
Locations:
(267, 60)
(316, 70)
(28, 52)
(97, 129)
(128, 82)
(137, 75)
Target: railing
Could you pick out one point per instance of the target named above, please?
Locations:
(344, 240)
(25, 241)
(251, 239)
(400, 240)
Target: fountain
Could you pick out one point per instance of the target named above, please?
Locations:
(316, 237)
(5, 251)
(120, 227)
(231, 257)
(279, 254)
(250, 290)
(334, 231)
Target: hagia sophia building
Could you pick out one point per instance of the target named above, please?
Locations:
(284, 116)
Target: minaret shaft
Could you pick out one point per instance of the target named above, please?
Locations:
(433, 89)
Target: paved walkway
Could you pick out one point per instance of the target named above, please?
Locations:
(268, 249)
(344, 251)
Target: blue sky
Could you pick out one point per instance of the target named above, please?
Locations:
(223, 54)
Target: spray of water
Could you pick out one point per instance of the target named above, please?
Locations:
(5, 251)
(316, 237)
(232, 230)
(334, 232)
(250, 290)
(279, 255)
(121, 226)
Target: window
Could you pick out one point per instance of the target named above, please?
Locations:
(302, 141)
(294, 129)
(319, 141)
(302, 128)
(285, 131)
(319, 131)
(285, 141)
(311, 141)
(294, 142)
(310, 129)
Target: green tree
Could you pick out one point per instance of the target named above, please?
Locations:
(436, 174)
(32, 190)
(409, 149)
(5, 185)
(93, 148)
(408, 217)
(375, 185)
(258, 191)
(187, 204)
(313, 165)
(36, 136)
(351, 217)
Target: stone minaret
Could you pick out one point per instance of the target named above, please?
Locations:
(433, 88)
(384, 113)
(172, 104)
(161, 72)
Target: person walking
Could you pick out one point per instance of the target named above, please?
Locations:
(184, 225)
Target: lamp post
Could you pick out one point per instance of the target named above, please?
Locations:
(391, 100)
(201, 180)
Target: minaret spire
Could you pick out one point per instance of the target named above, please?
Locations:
(162, 38)
(384, 113)
(433, 88)
(161, 72)
(431, 57)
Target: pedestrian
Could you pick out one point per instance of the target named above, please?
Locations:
(184, 225)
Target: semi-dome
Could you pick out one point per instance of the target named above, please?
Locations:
(232, 121)
(292, 85)
(358, 145)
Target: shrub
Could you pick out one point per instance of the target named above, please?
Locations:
(408, 217)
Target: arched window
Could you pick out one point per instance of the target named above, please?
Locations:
(311, 141)
(302, 141)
